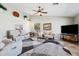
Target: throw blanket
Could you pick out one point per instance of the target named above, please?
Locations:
(47, 49)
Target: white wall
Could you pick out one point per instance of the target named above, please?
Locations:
(76, 20)
(57, 22)
(8, 21)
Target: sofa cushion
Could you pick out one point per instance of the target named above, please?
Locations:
(1, 45)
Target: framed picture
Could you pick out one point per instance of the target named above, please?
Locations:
(47, 26)
(37, 26)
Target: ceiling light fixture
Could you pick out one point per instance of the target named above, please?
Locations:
(26, 17)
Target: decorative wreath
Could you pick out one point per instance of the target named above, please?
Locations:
(16, 14)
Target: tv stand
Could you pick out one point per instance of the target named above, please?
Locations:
(73, 38)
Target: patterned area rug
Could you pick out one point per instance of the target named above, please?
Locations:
(25, 49)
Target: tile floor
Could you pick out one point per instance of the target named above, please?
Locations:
(74, 49)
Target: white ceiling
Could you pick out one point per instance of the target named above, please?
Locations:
(63, 9)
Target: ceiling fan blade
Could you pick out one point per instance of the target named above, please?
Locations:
(35, 13)
(44, 12)
(4, 8)
(35, 10)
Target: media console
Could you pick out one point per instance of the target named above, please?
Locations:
(70, 33)
(70, 38)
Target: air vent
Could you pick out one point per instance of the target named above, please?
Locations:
(55, 3)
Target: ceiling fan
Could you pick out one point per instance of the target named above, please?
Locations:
(40, 11)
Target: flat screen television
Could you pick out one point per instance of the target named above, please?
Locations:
(70, 29)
